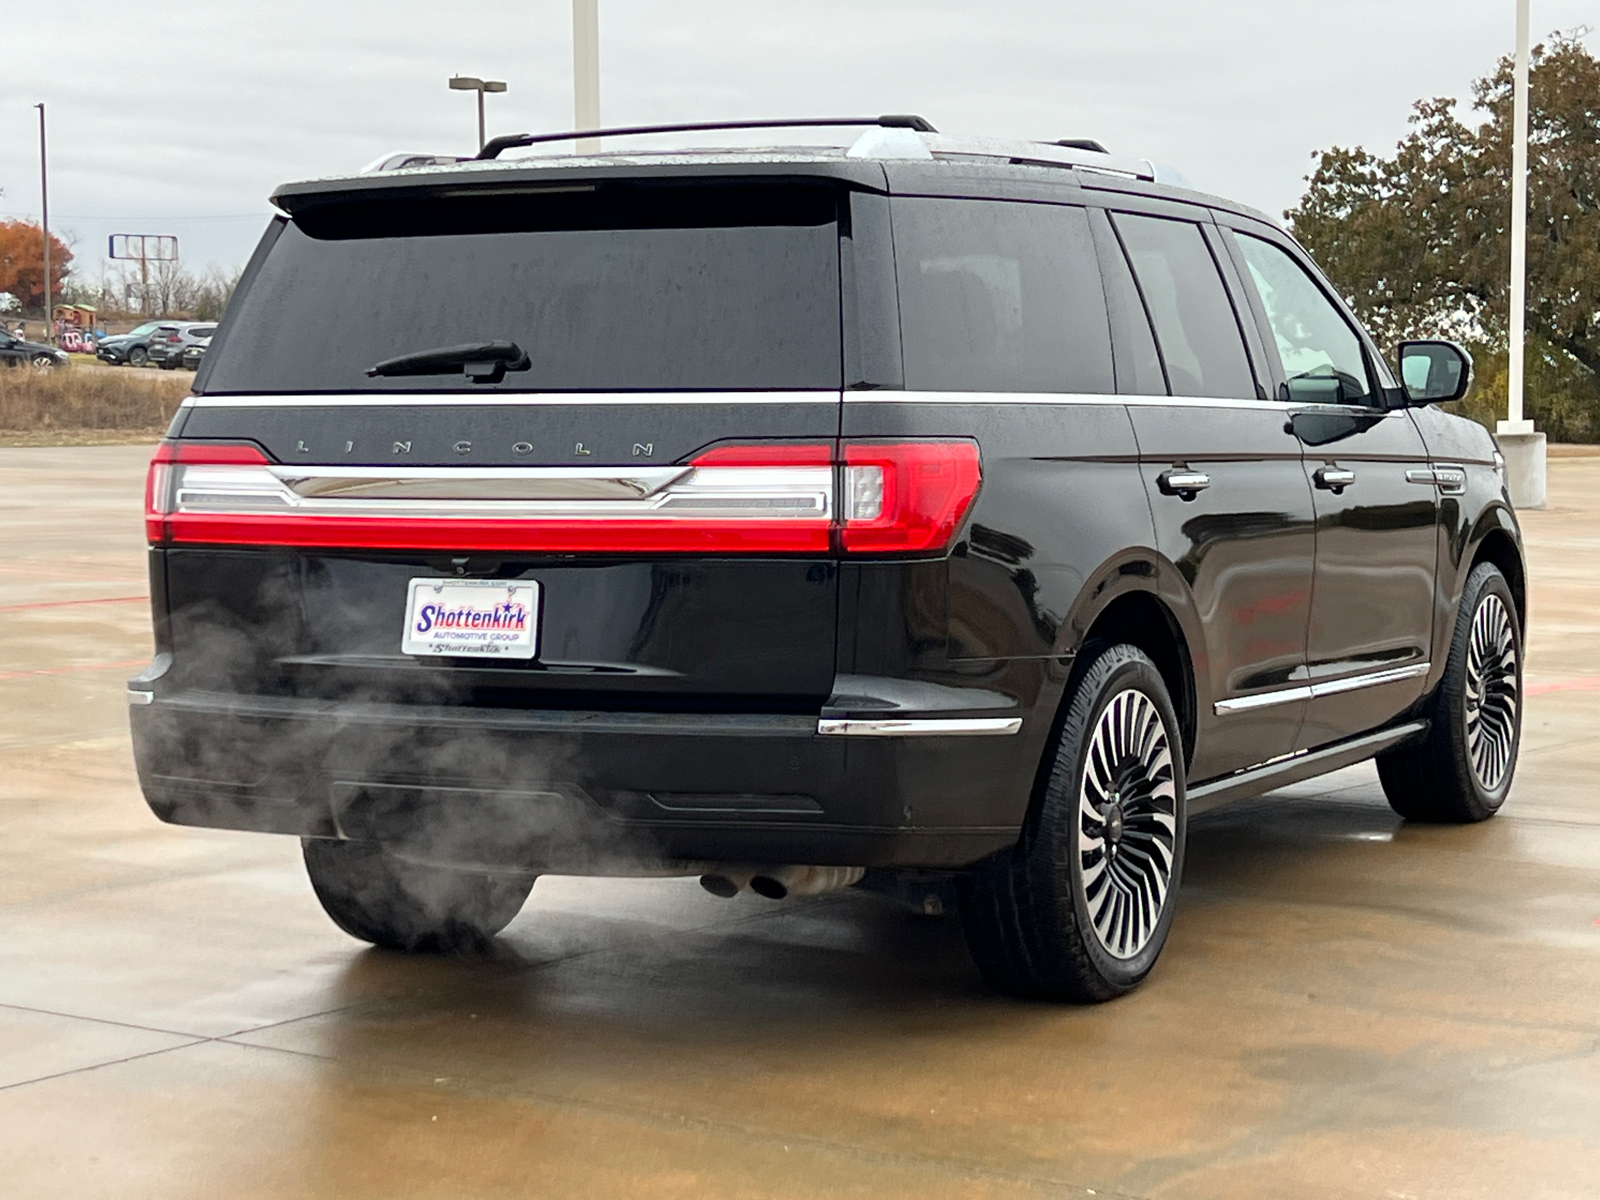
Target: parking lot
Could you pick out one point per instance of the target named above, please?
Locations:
(1348, 1006)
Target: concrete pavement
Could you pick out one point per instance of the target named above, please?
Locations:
(1347, 1007)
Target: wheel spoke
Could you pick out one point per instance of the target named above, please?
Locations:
(1127, 823)
(1490, 700)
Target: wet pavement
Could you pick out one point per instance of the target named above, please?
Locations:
(1347, 1007)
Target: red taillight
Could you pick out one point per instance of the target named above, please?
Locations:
(905, 497)
(737, 498)
(158, 483)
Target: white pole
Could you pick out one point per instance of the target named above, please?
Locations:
(586, 70)
(1522, 447)
(1514, 422)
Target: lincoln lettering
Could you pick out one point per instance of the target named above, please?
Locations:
(505, 616)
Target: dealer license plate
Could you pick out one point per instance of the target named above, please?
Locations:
(471, 618)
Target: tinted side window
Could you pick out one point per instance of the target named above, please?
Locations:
(1321, 354)
(1194, 320)
(1139, 370)
(1000, 297)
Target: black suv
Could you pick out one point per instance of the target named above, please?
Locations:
(952, 517)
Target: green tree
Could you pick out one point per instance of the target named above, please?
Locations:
(1419, 241)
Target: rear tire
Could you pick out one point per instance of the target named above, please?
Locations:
(137, 356)
(1462, 772)
(406, 906)
(1080, 909)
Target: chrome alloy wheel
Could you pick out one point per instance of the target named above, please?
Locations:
(1491, 697)
(1127, 823)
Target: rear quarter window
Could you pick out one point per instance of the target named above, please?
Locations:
(1200, 340)
(1000, 297)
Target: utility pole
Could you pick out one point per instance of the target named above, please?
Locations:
(586, 71)
(44, 205)
(1524, 449)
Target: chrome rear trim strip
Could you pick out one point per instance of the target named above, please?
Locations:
(1332, 687)
(138, 697)
(923, 727)
(477, 483)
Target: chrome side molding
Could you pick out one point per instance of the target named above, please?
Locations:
(921, 727)
(1331, 687)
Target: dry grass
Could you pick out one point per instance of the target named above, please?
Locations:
(87, 405)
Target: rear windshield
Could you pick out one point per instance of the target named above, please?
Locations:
(607, 288)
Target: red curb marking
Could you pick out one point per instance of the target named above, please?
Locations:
(116, 666)
(69, 603)
(1572, 685)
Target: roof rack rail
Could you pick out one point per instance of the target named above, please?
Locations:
(513, 141)
(1078, 154)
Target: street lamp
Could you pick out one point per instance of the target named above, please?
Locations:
(466, 83)
(1523, 448)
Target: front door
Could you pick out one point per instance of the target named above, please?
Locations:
(1372, 597)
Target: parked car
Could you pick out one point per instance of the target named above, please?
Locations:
(14, 352)
(131, 348)
(681, 519)
(194, 354)
(170, 342)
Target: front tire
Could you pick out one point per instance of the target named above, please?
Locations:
(406, 906)
(1080, 909)
(1461, 773)
(42, 363)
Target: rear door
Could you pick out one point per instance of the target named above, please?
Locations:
(657, 465)
(1377, 512)
(1232, 506)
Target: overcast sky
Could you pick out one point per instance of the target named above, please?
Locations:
(181, 118)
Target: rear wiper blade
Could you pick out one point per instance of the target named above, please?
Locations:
(481, 362)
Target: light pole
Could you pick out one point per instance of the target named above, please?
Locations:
(1524, 449)
(466, 83)
(44, 206)
(586, 71)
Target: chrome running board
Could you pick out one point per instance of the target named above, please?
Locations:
(1296, 767)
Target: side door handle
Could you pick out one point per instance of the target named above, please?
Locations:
(1334, 479)
(1183, 482)
(1450, 479)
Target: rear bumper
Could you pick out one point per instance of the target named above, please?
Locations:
(588, 790)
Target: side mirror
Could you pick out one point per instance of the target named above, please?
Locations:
(1434, 372)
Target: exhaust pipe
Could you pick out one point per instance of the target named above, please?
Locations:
(726, 884)
(778, 882)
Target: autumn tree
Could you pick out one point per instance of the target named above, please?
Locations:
(22, 262)
(1419, 240)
